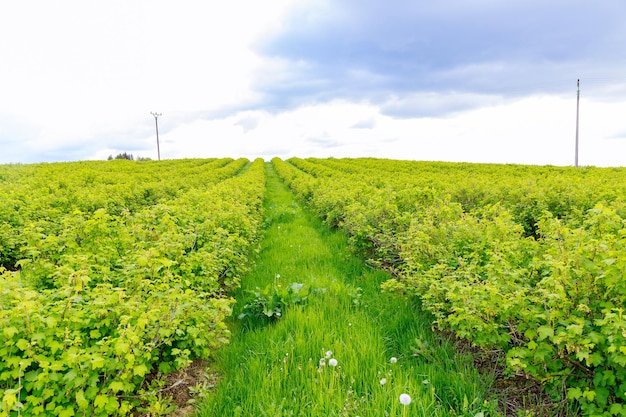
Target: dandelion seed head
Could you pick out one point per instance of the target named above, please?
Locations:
(383, 381)
(332, 362)
(329, 353)
(393, 360)
(322, 362)
(405, 399)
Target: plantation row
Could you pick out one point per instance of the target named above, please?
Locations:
(39, 194)
(528, 260)
(112, 272)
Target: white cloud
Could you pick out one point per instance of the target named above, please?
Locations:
(75, 70)
(537, 130)
(79, 79)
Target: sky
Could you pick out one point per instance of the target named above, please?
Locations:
(448, 80)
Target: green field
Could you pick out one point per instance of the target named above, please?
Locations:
(294, 283)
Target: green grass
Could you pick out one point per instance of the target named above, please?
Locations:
(273, 369)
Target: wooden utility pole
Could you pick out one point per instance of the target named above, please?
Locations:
(577, 109)
(156, 122)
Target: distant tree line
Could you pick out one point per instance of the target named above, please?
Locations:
(128, 156)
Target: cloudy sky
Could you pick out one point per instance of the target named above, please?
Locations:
(445, 80)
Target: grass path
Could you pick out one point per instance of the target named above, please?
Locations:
(274, 369)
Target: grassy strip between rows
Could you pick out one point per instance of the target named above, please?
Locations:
(309, 304)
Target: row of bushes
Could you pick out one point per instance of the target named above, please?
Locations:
(105, 302)
(540, 278)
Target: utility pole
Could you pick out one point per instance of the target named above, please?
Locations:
(577, 108)
(156, 122)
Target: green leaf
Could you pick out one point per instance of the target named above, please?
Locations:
(55, 346)
(9, 398)
(22, 344)
(140, 370)
(602, 395)
(574, 393)
(71, 375)
(121, 347)
(544, 332)
(9, 332)
(577, 329)
(51, 322)
(81, 401)
(116, 386)
(589, 395)
(112, 405)
(530, 333)
(100, 401)
(595, 359)
(68, 412)
(97, 362)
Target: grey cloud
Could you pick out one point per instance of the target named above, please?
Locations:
(618, 135)
(365, 124)
(324, 142)
(248, 123)
(371, 50)
(431, 104)
(67, 153)
(38, 144)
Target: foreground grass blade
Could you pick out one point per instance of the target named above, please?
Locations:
(347, 350)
